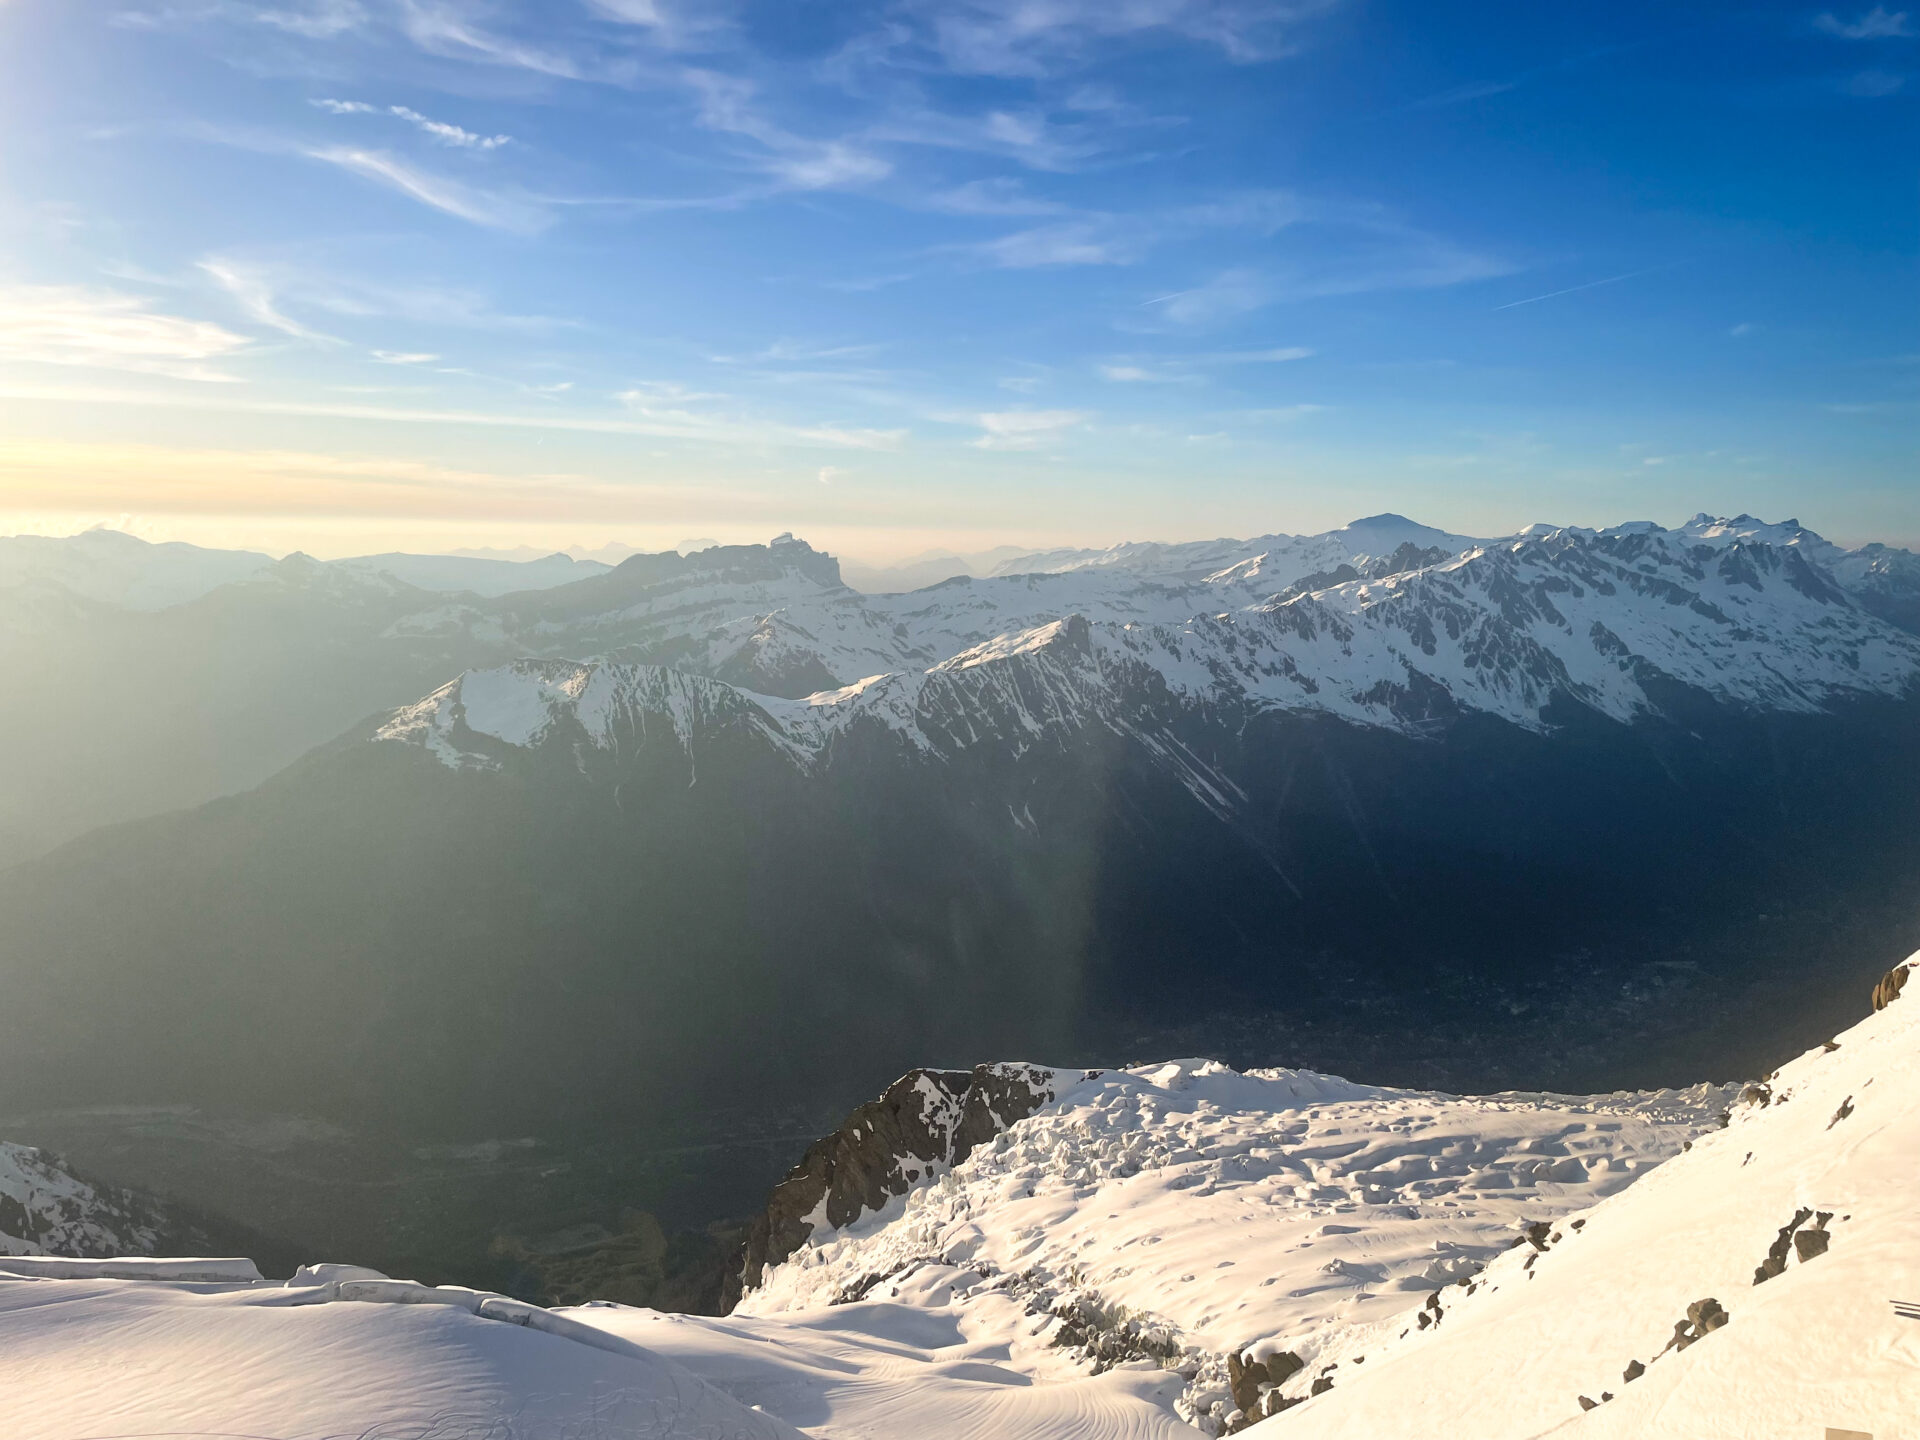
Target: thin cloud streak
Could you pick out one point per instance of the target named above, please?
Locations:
(664, 425)
(102, 329)
(1575, 289)
(450, 197)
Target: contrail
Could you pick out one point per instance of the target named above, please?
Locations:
(1591, 284)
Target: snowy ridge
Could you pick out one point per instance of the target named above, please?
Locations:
(1746, 614)
(604, 705)
(1280, 558)
(1508, 628)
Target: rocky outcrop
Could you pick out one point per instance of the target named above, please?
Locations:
(1891, 983)
(926, 1121)
(1255, 1385)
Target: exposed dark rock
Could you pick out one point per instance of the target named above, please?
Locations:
(1888, 990)
(1251, 1381)
(1633, 1371)
(1321, 1385)
(1703, 1317)
(1846, 1109)
(1242, 1384)
(1776, 1260)
(925, 1120)
(1586, 1404)
(1814, 1238)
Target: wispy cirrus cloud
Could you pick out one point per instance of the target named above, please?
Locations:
(999, 195)
(1036, 38)
(1074, 242)
(443, 131)
(1342, 251)
(796, 162)
(107, 330)
(255, 294)
(449, 196)
(318, 20)
(1024, 429)
(1107, 238)
(653, 421)
(452, 32)
(673, 24)
(1190, 369)
(1873, 84)
(1879, 23)
(1232, 292)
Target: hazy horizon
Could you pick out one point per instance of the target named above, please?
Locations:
(611, 547)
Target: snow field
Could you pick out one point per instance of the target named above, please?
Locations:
(88, 1358)
(1170, 1214)
(1816, 1168)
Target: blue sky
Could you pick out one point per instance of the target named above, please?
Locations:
(345, 274)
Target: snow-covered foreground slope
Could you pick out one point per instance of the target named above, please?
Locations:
(1148, 1253)
(1087, 1271)
(1402, 1265)
(1799, 1223)
(335, 1352)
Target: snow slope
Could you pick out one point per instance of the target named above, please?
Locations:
(336, 1351)
(1156, 1217)
(1817, 1170)
(1129, 1261)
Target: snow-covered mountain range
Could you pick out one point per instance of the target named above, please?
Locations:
(241, 664)
(1160, 1251)
(1406, 635)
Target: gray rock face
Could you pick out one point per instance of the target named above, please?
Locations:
(1776, 1261)
(925, 1121)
